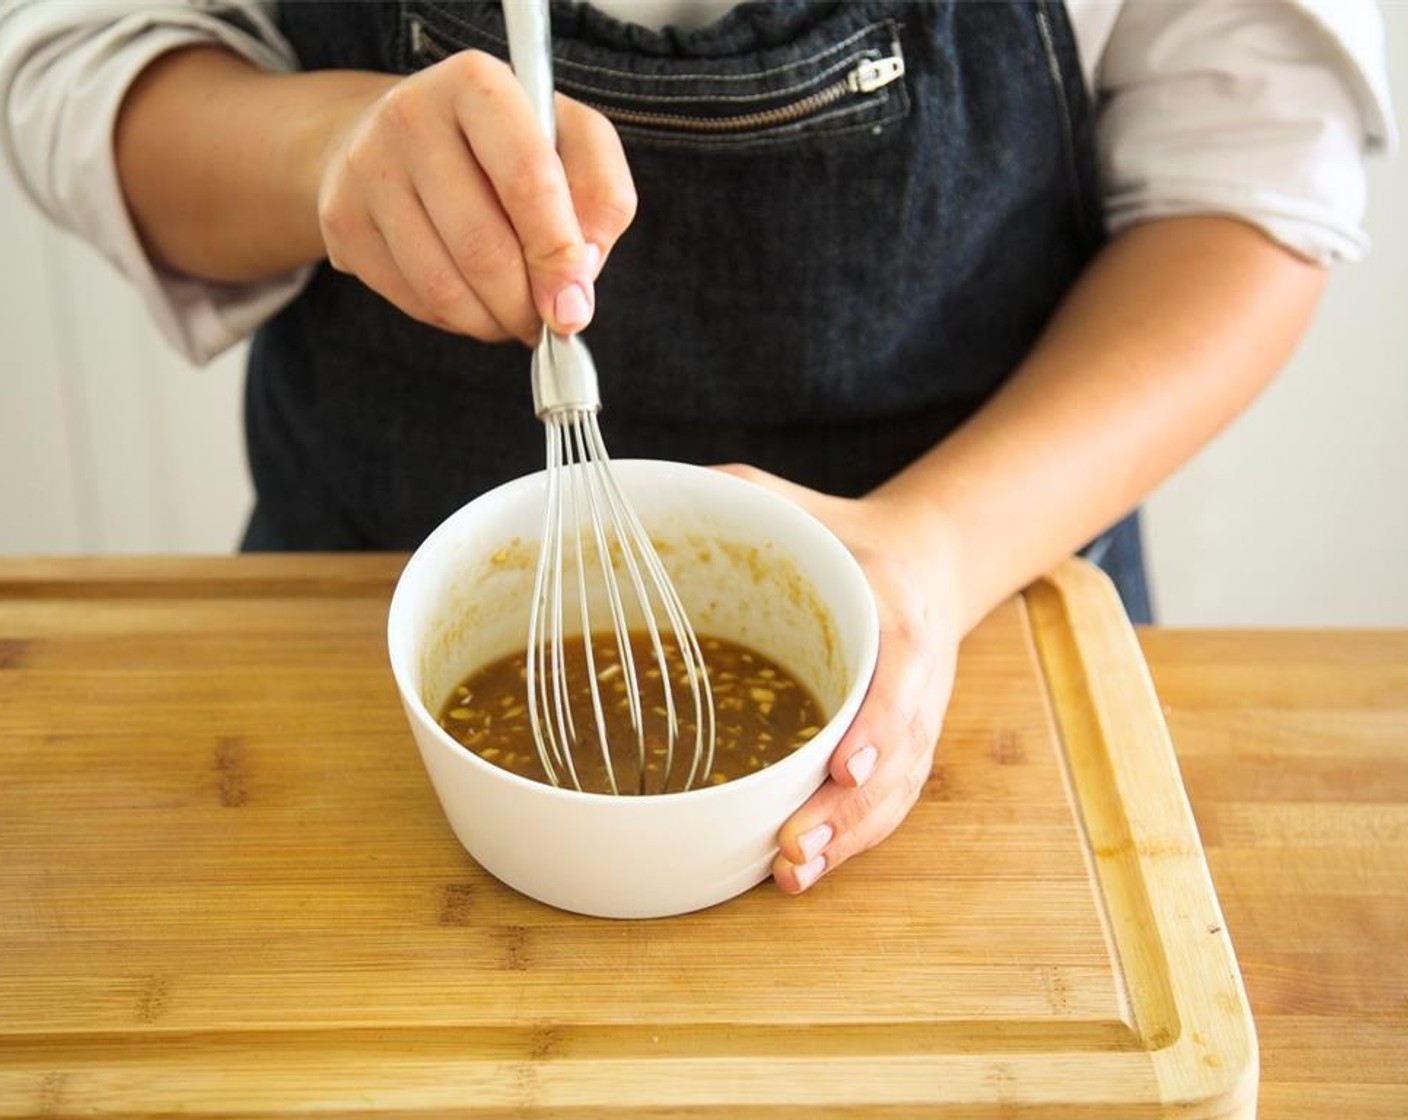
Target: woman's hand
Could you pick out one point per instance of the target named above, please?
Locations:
(445, 196)
(438, 190)
(881, 764)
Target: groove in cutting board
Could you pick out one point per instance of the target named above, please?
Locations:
(226, 887)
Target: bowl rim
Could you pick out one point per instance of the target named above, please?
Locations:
(850, 703)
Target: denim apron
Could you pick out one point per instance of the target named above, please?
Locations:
(854, 220)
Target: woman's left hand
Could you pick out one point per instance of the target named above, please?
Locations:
(879, 768)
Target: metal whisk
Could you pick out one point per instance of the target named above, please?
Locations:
(588, 521)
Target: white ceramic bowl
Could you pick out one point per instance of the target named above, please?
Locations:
(750, 567)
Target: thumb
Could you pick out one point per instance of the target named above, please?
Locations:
(564, 285)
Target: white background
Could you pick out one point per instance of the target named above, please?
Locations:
(1298, 515)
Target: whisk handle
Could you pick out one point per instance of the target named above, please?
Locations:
(530, 52)
(564, 376)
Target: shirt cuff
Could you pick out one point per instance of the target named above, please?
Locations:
(1304, 229)
(1243, 110)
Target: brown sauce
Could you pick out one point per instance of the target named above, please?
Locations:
(762, 714)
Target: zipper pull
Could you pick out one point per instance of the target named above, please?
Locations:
(873, 73)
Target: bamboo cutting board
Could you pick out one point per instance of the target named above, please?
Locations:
(226, 888)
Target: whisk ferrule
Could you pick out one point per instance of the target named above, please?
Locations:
(564, 376)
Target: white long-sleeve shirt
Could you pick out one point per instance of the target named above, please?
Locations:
(1258, 109)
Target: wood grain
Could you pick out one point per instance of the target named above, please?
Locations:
(1294, 750)
(226, 888)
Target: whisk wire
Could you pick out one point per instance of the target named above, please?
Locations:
(562, 705)
(561, 721)
(538, 631)
(585, 512)
(691, 654)
(607, 550)
(630, 544)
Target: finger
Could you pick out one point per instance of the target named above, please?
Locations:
(426, 266)
(795, 877)
(529, 181)
(886, 817)
(838, 810)
(896, 728)
(359, 250)
(461, 205)
(598, 176)
(907, 695)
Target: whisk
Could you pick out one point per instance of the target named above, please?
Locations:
(588, 521)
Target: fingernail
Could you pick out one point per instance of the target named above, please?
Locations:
(571, 308)
(593, 254)
(808, 873)
(814, 840)
(862, 764)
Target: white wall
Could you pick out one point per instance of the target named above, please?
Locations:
(1299, 515)
(108, 441)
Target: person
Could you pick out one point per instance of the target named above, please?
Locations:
(966, 280)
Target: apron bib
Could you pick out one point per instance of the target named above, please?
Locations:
(854, 220)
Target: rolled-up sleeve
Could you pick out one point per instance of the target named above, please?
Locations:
(1261, 110)
(64, 71)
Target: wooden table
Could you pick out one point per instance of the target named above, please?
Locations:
(1294, 749)
(1294, 752)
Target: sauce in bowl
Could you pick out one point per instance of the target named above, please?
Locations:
(762, 714)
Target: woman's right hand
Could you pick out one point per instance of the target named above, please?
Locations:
(444, 195)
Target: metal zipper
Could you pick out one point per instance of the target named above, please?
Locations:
(866, 77)
(423, 44)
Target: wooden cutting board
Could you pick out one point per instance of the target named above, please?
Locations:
(226, 888)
